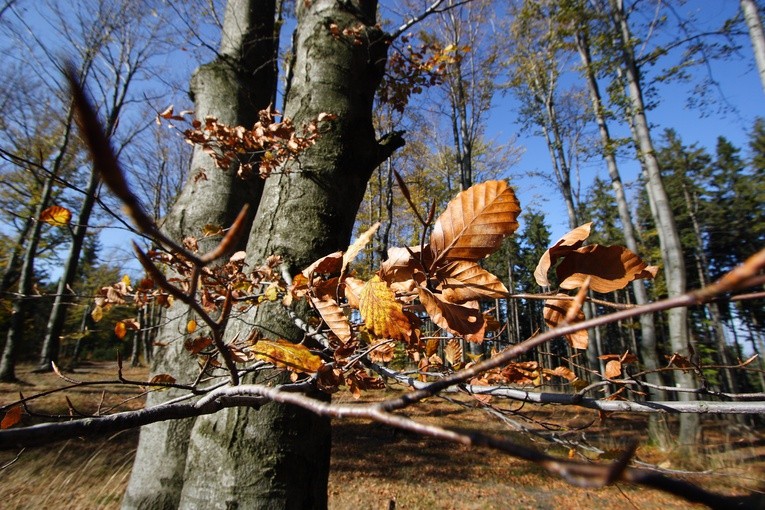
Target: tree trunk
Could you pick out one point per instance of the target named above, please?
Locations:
(648, 352)
(233, 88)
(18, 314)
(278, 456)
(669, 239)
(12, 269)
(50, 348)
(756, 35)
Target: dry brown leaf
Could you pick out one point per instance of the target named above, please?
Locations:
(464, 280)
(197, 345)
(566, 244)
(358, 245)
(453, 353)
(462, 320)
(325, 303)
(285, 354)
(555, 311)
(613, 369)
(611, 268)
(402, 264)
(383, 353)
(329, 264)
(475, 222)
(564, 372)
(12, 417)
(162, 379)
(352, 291)
(383, 315)
(431, 346)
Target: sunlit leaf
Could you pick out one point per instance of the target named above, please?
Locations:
(475, 222)
(97, 313)
(611, 268)
(56, 215)
(465, 321)
(329, 264)
(555, 311)
(402, 263)
(453, 353)
(12, 417)
(463, 280)
(564, 372)
(120, 330)
(566, 244)
(126, 280)
(285, 354)
(383, 353)
(613, 369)
(383, 315)
(359, 244)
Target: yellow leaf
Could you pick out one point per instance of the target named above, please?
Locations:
(12, 417)
(191, 326)
(97, 314)
(56, 216)
(358, 245)
(383, 315)
(284, 354)
(126, 280)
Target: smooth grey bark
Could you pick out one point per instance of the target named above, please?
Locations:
(234, 88)
(669, 238)
(280, 454)
(756, 35)
(648, 353)
(12, 269)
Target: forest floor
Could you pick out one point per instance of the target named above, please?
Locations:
(375, 468)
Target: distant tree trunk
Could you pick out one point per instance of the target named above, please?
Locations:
(12, 269)
(756, 35)
(26, 279)
(63, 299)
(669, 239)
(648, 351)
(233, 88)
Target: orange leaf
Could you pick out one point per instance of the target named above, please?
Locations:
(566, 244)
(12, 417)
(191, 326)
(120, 330)
(462, 320)
(285, 354)
(611, 268)
(564, 372)
(56, 216)
(383, 315)
(464, 280)
(197, 345)
(555, 311)
(402, 263)
(475, 222)
(613, 369)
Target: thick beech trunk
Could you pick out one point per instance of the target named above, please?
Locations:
(232, 88)
(278, 456)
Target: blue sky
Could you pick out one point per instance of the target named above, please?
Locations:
(740, 87)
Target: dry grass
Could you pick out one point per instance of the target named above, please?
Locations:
(373, 466)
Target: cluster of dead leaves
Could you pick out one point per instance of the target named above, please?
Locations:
(592, 267)
(260, 149)
(410, 70)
